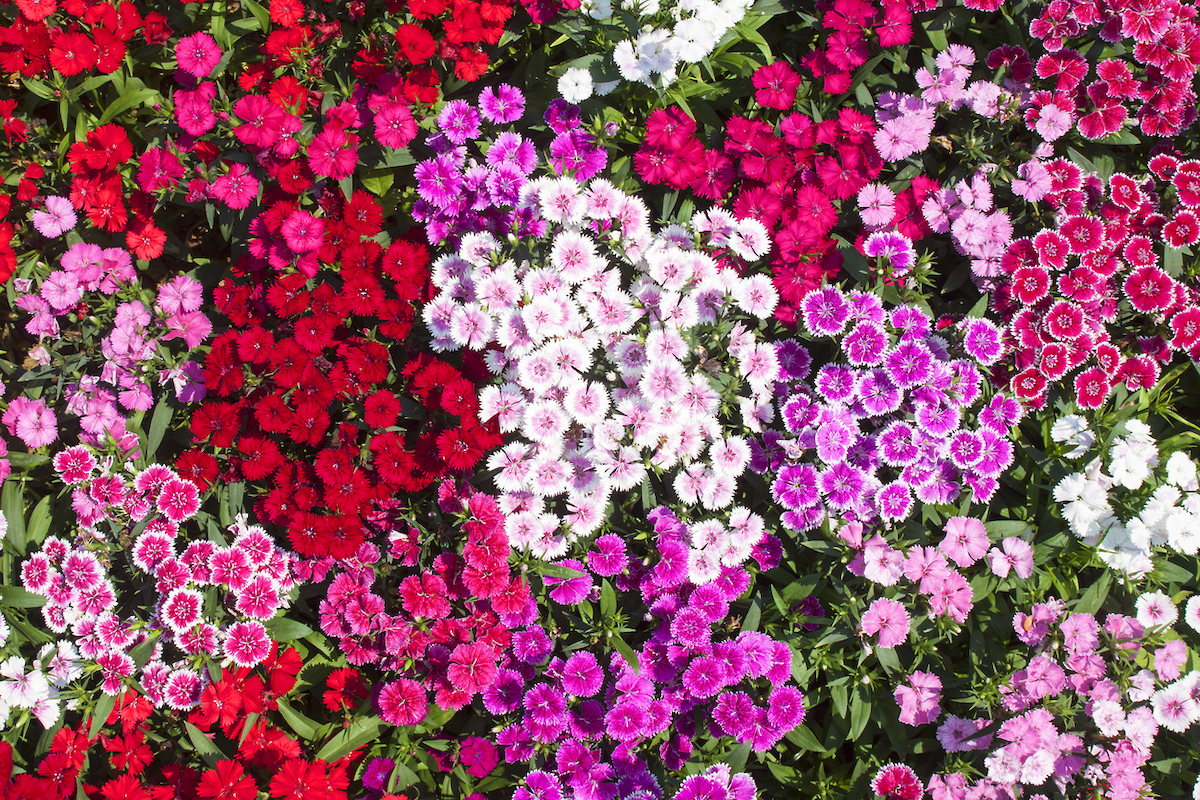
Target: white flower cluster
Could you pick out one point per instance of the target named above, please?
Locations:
(1170, 517)
(38, 689)
(601, 379)
(654, 54)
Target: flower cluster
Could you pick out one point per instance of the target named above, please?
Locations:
(1166, 518)
(460, 194)
(1068, 288)
(662, 38)
(851, 28)
(1099, 668)
(885, 424)
(596, 374)
(787, 176)
(307, 355)
(82, 581)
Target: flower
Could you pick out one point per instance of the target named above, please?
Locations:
(897, 782)
(575, 85)
(197, 54)
(887, 618)
(55, 218)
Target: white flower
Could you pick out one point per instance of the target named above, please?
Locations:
(1156, 609)
(1181, 471)
(575, 85)
(1073, 429)
(1191, 612)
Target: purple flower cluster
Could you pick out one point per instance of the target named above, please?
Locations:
(460, 193)
(888, 424)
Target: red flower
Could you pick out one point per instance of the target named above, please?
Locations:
(416, 43)
(72, 53)
(126, 787)
(145, 240)
(345, 690)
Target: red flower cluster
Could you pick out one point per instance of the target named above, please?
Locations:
(304, 352)
(853, 26)
(1100, 265)
(1156, 83)
(788, 176)
(95, 37)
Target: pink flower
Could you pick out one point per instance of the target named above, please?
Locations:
(920, 698)
(56, 218)
(32, 421)
(966, 540)
(897, 782)
(887, 618)
(1016, 556)
(402, 702)
(197, 54)
(181, 294)
(333, 153)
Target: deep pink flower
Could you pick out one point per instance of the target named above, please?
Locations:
(333, 153)
(197, 54)
(897, 782)
(777, 84)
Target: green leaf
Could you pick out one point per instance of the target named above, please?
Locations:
(261, 14)
(737, 758)
(803, 738)
(142, 652)
(26, 460)
(1094, 597)
(131, 98)
(16, 597)
(402, 777)
(625, 650)
(378, 184)
(250, 720)
(1003, 528)
(753, 615)
(100, 713)
(301, 725)
(860, 714)
(283, 629)
(559, 571)
(12, 502)
(608, 599)
(39, 522)
(203, 745)
(158, 428)
(361, 731)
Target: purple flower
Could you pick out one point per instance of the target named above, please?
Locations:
(582, 676)
(825, 311)
(377, 773)
(982, 340)
(910, 363)
(505, 693)
(562, 116)
(912, 321)
(893, 247)
(56, 218)
(842, 485)
(796, 486)
(794, 360)
(438, 180)
(836, 382)
(531, 645)
(732, 711)
(459, 121)
(545, 706)
(503, 104)
(627, 720)
(895, 502)
(539, 785)
(608, 557)
(569, 591)
(786, 708)
(865, 344)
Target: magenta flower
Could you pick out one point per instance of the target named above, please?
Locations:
(898, 782)
(402, 702)
(333, 153)
(56, 218)
(459, 121)
(394, 125)
(887, 618)
(236, 188)
(302, 231)
(182, 609)
(178, 500)
(503, 104)
(197, 54)
(582, 676)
